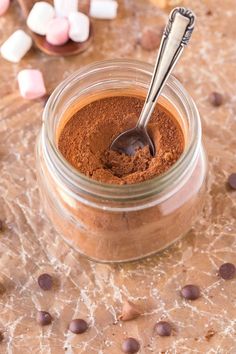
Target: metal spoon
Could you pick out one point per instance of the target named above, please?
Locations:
(70, 48)
(175, 37)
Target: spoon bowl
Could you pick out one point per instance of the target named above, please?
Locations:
(69, 48)
(132, 140)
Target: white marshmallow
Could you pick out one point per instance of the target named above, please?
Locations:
(79, 27)
(16, 46)
(64, 7)
(103, 9)
(31, 84)
(40, 16)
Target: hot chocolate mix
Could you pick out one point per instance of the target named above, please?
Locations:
(107, 230)
(86, 138)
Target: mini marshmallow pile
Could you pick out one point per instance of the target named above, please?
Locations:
(59, 24)
(63, 21)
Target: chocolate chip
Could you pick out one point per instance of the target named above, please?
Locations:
(216, 99)
(1, 337)
(1, 225)
(130, 346)
(190, 292)
(210, 334)
(227, 271)
(78, 326)
(209, 13)
(44, 318)
(45, 281)
(150, 39)
(129, 311)
(232, 180)
(163, 329)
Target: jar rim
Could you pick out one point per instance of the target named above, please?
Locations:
(79, 182)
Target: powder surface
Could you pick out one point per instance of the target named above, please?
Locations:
(85, 140)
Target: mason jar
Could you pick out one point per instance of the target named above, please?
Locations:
(115, 223)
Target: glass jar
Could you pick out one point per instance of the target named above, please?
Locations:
(114, 223)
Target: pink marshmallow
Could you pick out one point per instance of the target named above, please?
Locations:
(31, 84)
(4, 4)
(58, 31)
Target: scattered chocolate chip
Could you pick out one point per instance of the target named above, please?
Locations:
(130, 346)
(209, 13)
(44, 318)
(78, 326)
(129, 312)
(232, 181)
(216, 99)
(1, 225)
(150, 39)
(190, 292)
(163, 328)
(227, 271)
(45, 281)
(210, 334)
(1, 337)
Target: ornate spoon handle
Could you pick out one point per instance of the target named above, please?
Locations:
(176, 36)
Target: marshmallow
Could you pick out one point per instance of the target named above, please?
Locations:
(40, 16)
(79, 27)
(4, 4)
(58, 31)
(64, 7)
(31, 84)
(16, 46)
(103, 9)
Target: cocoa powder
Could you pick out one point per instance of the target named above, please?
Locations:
(85, 140)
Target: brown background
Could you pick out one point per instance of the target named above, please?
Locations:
(30, 246)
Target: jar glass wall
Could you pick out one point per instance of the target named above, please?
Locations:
(114, 223)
